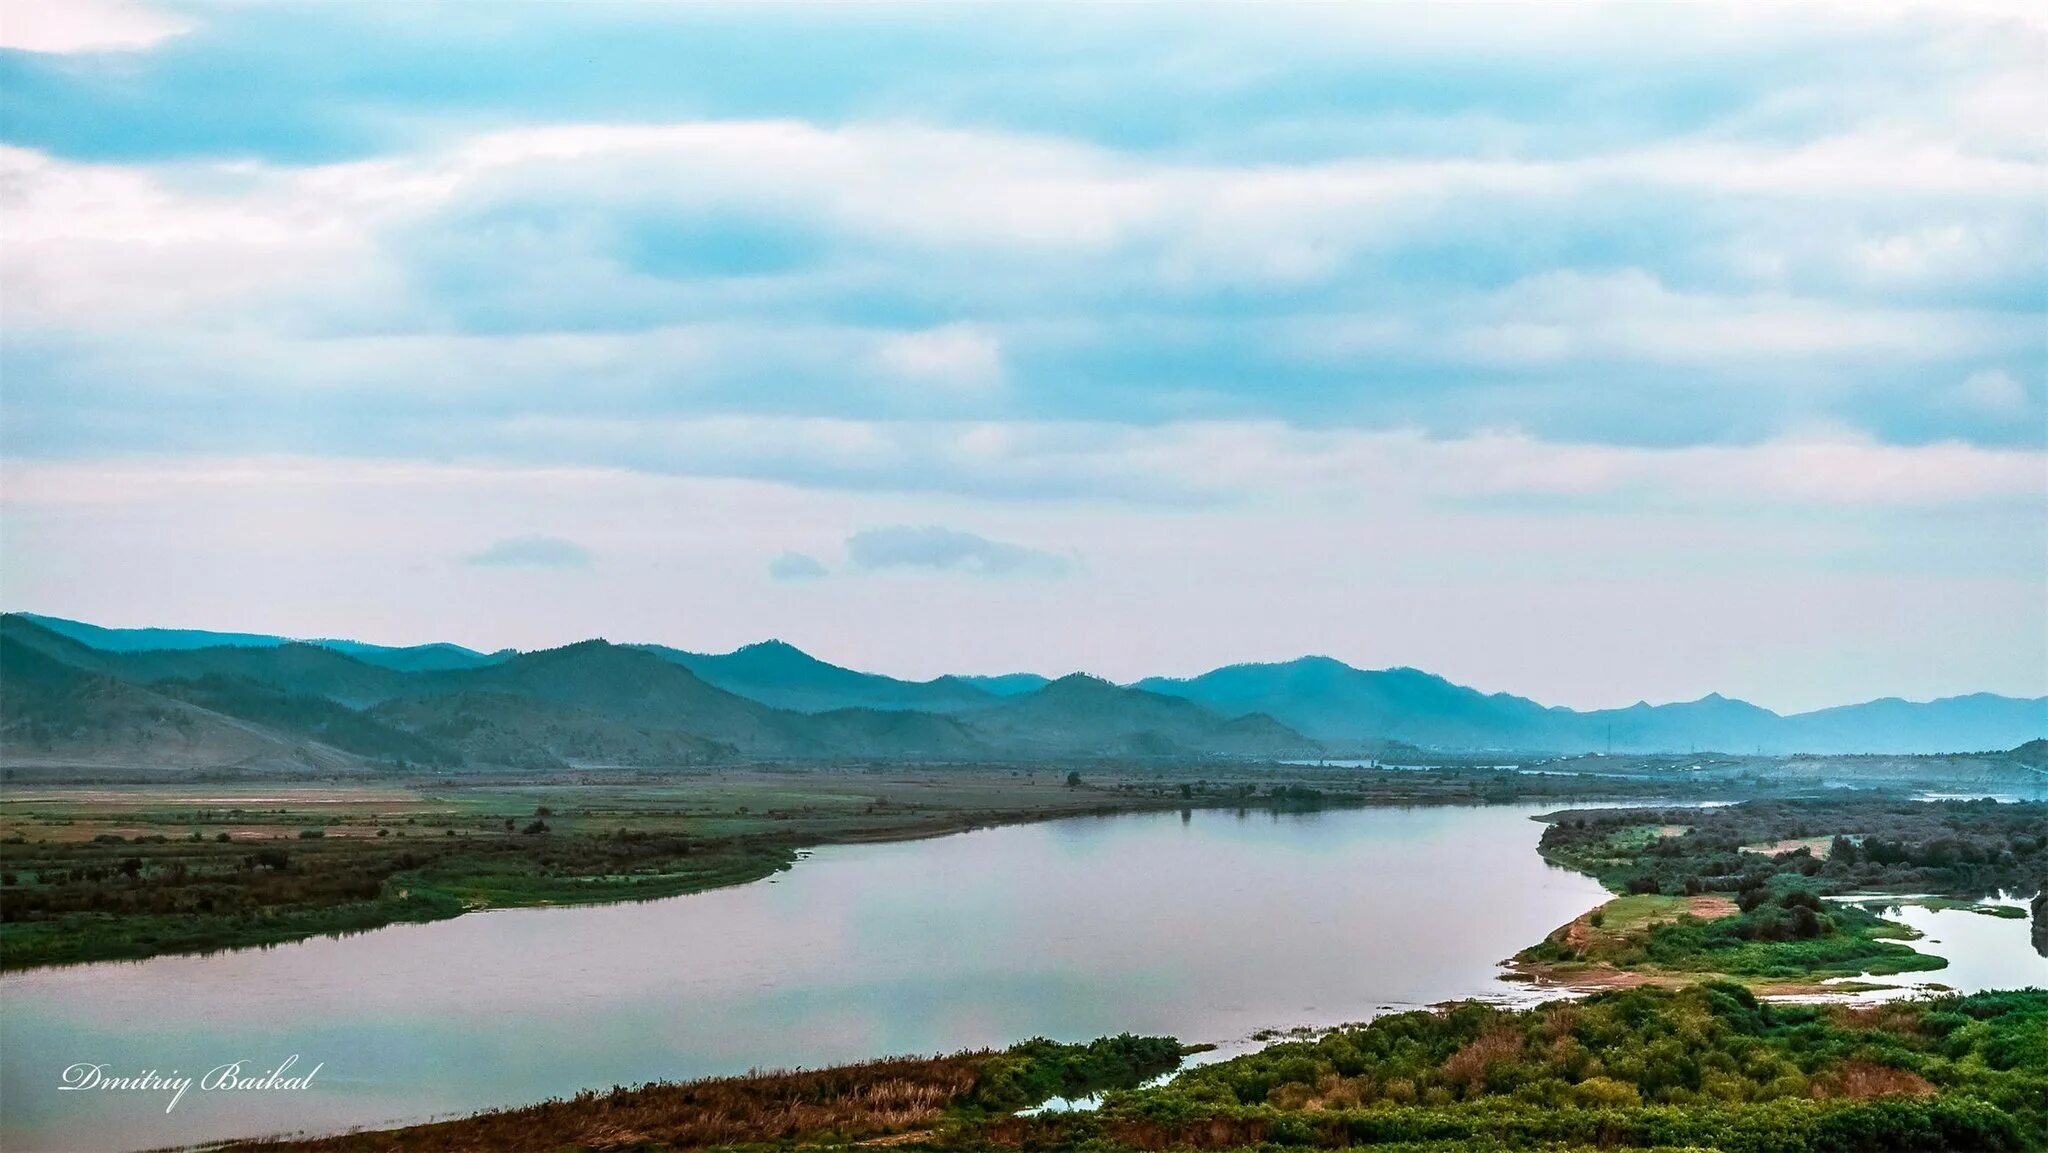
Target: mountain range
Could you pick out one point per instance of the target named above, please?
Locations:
(1331, 701)
(288, 705)
(73, 693)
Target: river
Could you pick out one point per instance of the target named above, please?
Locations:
(1208, 926)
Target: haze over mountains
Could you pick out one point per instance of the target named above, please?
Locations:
(317, 706)
(75, 694)
(1331, 701)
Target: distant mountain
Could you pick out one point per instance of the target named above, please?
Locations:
(596, 703)
(1329, 700)
(414, 658)
(143, 640)
(1084, 711)
(1003, 684)
(1971, 723)
(55, 714)
(632, 687)
(592, 704)
(292, 667)
(642, 688)
(782, 675)
(518, 732)
(1712, 722)
(434, 657)
(1332, 701)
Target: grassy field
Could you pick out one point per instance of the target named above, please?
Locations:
(100, 873)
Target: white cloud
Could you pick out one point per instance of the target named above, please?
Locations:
(1571, 317)
(90, 245)
(65, 26)
(962, 357)
(796, 566)
(1568, 315)
(530, 551)
(939, 549)
(1992, 391)
(1885, 202)
(1192, 463)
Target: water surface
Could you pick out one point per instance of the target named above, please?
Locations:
(1207, 927)
(1983, 951)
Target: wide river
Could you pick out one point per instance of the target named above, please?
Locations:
(1207, 926)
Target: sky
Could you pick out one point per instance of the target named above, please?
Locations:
(1589, 352)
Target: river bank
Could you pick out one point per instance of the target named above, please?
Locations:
(126, 873)
(1783, 896)
(1706, 1067)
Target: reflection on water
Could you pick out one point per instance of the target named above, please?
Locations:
(1983, 951)
(1207, 928)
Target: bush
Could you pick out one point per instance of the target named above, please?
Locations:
(1040, 1069)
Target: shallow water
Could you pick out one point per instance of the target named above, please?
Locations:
(1983, 951)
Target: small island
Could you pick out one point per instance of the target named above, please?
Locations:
(1763, 892)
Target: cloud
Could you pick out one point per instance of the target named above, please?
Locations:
(961, 357)
(796, 566)
(531, 552)
(346, 81)
(1631, 269)
(1177, 465)
(67, 26)
(949, 550)
(1992, 390)
(1641, 294)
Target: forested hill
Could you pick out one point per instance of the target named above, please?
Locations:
(1332, 701)
(1289, 706)
(298, 707)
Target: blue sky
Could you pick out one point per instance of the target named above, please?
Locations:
(1589, 352)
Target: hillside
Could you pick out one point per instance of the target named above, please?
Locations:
(1332, 701)
(1329, 700)
(503, 729)
(588, 705)
(54, 715)
(645, 703)
(1085, 711)
(782, 675)
(1004, 684)
(413, 658)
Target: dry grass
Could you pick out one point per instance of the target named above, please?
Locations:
(1862, 1080)
(1883, 1017)
(1819, 846)
(1633, 914)
(1469, 1064)
(871, 1100)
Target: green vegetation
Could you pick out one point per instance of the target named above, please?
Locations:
(1955, 848)
(1039, 1070)
(1704, 1068)
(1706, 895)
(320, 719)
(1787, 934)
